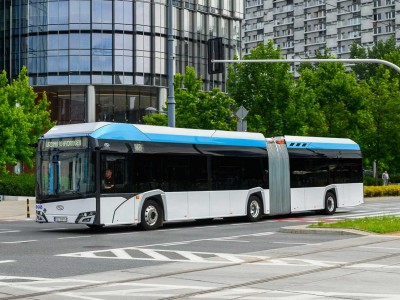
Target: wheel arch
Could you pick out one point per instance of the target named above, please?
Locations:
(156, 195)
(333, 189)
(258, 192)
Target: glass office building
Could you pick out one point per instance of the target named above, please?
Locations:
(106, 60)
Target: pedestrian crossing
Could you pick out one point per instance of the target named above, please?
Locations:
(135, 253)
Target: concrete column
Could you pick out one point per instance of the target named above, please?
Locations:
(162, 97)
(91, 104)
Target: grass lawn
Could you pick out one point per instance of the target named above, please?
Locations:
(384, 224)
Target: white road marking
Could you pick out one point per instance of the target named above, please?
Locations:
(209, 239)
(19, 242)
(50, 229)
(74, 237)
(383, 248)
(202, 227)
(133, 253)
(370, 214)
(6, 261)
(230, 240)
(289, 243)
(9, 231)
(121, 253)
(155, 255)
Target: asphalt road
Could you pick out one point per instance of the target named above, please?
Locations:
(191, 260)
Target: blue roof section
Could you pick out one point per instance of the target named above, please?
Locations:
(316, 143)
(122, 132)
(147, 133)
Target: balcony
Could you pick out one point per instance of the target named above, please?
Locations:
(255, 26)
(283, 9)
(315, 3)
(254, 15)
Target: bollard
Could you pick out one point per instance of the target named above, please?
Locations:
(28, 215)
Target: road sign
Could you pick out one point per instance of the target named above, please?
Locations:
(241, 113)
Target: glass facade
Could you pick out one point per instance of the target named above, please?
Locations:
(119, 47)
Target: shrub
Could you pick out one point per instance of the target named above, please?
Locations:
(370, 180)
(17, 185)
(379, 191)
(395, 178)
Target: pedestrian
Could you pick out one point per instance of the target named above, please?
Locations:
(385, 178)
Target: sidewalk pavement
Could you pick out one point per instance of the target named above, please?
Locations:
(17, 210)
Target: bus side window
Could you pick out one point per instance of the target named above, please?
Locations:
(117, 167)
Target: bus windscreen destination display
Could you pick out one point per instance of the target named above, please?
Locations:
(65, 143)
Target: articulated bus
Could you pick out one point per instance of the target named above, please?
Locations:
(162, 174)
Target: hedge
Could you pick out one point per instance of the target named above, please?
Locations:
(17, 185)
(379, 191)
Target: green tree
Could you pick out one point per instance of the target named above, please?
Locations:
(198, 109)
(264, 89)
(305, 112)
(386, 50)
(385, 109)
(340, 98)
(381, 138)
(23, 119)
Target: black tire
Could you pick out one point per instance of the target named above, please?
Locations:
(151, 215)
(330, 204)
(254, 209)
(95, 227)
(204, 221)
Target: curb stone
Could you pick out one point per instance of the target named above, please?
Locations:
(301, 229)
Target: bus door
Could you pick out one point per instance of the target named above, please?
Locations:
(279, 177)
(54, 174)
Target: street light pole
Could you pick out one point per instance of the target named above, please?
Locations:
(313, 60)
(171, 96)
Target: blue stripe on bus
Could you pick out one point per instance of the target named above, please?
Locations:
(325, 146)
(123, 132)
(128, 132)
(205, 140)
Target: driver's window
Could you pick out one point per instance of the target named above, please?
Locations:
(113, 174)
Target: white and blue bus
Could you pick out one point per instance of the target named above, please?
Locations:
(169, 174)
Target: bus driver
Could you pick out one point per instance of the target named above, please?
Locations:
(108, 182)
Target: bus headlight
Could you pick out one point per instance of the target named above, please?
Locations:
(86, 217)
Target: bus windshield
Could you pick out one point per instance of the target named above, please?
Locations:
(65, 172)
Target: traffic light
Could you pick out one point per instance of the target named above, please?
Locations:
(215, 52)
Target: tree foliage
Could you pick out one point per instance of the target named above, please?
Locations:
(381, 140)
(340, 99)
(195, 108)
(23, 119)
(265, 90)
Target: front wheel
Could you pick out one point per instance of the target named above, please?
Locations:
(151, 216)
(330, 203)
(254, 209)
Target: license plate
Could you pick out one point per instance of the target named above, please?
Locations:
(60, 219)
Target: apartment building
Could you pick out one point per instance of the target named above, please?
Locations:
(301, 27)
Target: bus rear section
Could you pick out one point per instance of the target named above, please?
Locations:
(313, 173)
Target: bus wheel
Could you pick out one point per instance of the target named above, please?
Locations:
(330, 203)
(151, 217)
(254, 209)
